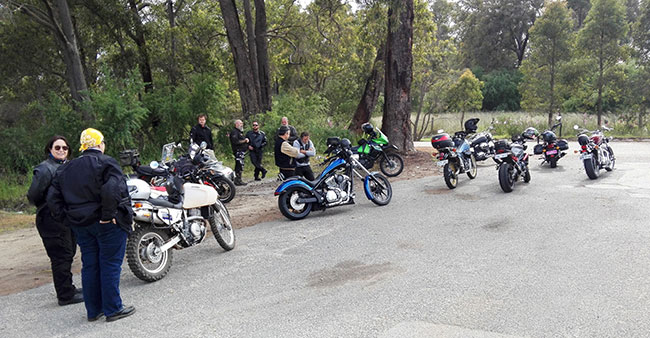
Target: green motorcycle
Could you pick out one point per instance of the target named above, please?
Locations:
(377, 148)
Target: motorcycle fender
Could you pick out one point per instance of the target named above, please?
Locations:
(285, 185)
(366, 184)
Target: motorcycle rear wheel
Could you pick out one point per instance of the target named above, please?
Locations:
(473, 171)
(226, 189)
(591, 167)
(222, 227)
(380, 191)
(289, 206)
(506, 179)
(391, 165)
(143, 253)
(451, 178)
(553, 162)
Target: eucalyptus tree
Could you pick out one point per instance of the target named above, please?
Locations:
(579, 9)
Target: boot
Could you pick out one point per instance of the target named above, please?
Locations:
(238, 180)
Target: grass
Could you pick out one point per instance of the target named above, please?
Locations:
(10, 221)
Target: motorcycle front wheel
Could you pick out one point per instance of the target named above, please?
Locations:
(506, 177)
(289, 206)
(378, 189)
(451, 179)
(391, 164)
(222, 227)
(591, 167)
(473, 171)
(612, 159)
(144, 256)
(226, 189)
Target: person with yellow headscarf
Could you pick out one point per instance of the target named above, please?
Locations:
(89, 195)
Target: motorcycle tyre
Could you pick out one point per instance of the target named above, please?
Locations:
(220, 211)
(399, 163)
(224, 183)
(474, 170)
(612, 159)
(591, 167)
(553, 162)
(505, 178)
(133, 254)
(389, 189)
(284, 201)
(527, 176)
(451, 179)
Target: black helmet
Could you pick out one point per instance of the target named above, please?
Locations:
(345, 143)
(471, 125)
(367, 128)
(530, 133)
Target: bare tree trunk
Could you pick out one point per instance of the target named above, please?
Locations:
(138, 38)
(171, 16)
(374, 86)
(245, 81)
(262, 55)
(396, 122)
(252, 49)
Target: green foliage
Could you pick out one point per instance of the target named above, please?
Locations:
(500, 91)
(465, 94)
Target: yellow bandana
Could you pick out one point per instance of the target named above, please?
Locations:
(90, 138)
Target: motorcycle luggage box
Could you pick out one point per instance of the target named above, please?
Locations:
(440, 141)
(538, 149)
(501, 145)
(563, 144)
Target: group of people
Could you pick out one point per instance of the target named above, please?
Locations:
(292, 153)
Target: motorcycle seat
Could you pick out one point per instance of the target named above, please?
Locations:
(302, 179)
(149, 171)
(161, 202)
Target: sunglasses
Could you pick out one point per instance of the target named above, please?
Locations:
(57, 148)
(255, 125)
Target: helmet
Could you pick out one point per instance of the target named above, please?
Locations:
(530, 133)
(138, 189)
(345, 143)
(367, 128)
(471, 125)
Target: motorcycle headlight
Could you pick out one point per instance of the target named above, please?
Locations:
(483, 145)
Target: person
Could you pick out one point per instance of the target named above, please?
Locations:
(293, 134)
(239, 143)
(58, 239)
(89, 194)
(285, 153)
(306, 150)
(257, 142)
(201, 133)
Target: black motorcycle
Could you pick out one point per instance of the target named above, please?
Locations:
(512, 159)
(551, 148)
(455, 156)
(481, 143)
(595, 152)
(376, 148)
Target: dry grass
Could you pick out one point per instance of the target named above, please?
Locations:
(10, 221)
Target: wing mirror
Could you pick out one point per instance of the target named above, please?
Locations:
(154, 164)
(203, 145)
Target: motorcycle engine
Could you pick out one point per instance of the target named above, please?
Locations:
(366, 162)
(337, 189)
(196, 229)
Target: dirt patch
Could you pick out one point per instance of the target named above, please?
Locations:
(29, 266)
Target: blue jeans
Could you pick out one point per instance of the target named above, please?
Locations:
(102, 252)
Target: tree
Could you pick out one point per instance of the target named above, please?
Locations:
(465, 94)
(396, 122)
(374, 86)
(580, 9)
(601, 35)
(550, 47)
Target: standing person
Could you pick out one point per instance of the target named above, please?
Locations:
(58, 239)
(285, 154)
(89, 194)
(257, 142)
(239, 143)
(293, 134)
(306, 150)
(201, 133)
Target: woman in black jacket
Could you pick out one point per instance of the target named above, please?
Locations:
(58, 239)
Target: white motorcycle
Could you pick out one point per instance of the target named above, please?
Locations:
(172, 217)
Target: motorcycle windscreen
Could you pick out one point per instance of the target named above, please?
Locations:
(381, 138)
(198, 195)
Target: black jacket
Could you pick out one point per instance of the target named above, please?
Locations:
(88, 189)
(282, 160)
(257, 140)
(41, 181)
(199, 134)
(238, 141)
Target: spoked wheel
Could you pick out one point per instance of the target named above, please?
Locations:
(473, 170)
(144, 256)
(391, 165)
(378, 189)
(289, 205)
(591, 167)
(222, 227)
(451, 178)
(506, 177)
(226, 189)
(612, 159)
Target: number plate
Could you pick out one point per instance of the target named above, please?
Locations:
(585, 156)
(551, 152)
(498, 156)
(442, 163)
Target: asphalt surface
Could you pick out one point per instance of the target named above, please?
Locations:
(560, 256)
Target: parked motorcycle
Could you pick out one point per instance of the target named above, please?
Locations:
(512, 159)
(173, 217)
(377, 148)
(334, 186)
(595, 152)
(455, 156)
(481, 143)
(551, 148)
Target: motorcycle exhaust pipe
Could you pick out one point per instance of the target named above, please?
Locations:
(307, 200)
(170, 243)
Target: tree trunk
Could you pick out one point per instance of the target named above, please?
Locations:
(138, 38)
(262, 55)
(252, 49)
(245, 81)
(171, 16)
(599, 102)
(551, 108)
(374, 86)
(396, 122)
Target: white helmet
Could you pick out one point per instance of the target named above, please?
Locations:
(138, 189)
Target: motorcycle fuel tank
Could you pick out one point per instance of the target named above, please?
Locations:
(198, 195)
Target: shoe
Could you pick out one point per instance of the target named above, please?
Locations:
(264, 173)
(79, 291)
(93, 319)
(125, 312)
(77, 298)
(239, 182)
(258, 179)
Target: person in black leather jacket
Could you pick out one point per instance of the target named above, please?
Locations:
(239, 144)
(257, 142)
(58, 240)
(89, 194)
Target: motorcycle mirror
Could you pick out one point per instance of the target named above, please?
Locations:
(576, 127)
(154, 164)
(441, 131)
(559, 118)
(203, 145)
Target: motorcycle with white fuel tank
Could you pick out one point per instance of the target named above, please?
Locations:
(175, 216)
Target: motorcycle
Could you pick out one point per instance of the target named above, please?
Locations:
(173, 217)
(512, 159)
(550, 148)
(334, 186)
(595, 152)
(454, 156)
(376, 148)
(481, 143)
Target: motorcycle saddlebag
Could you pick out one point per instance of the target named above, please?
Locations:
(440, 141)
(563, 144)
(538, 149)
(501, 145)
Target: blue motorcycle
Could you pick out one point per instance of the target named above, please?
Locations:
(334, 186)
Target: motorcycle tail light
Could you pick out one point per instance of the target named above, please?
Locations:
(584, 147)
(137, 205)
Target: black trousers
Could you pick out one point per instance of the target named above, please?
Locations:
(286, 173)
(256, 160)
(61, 246)
(305, 171)
(239, 162)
